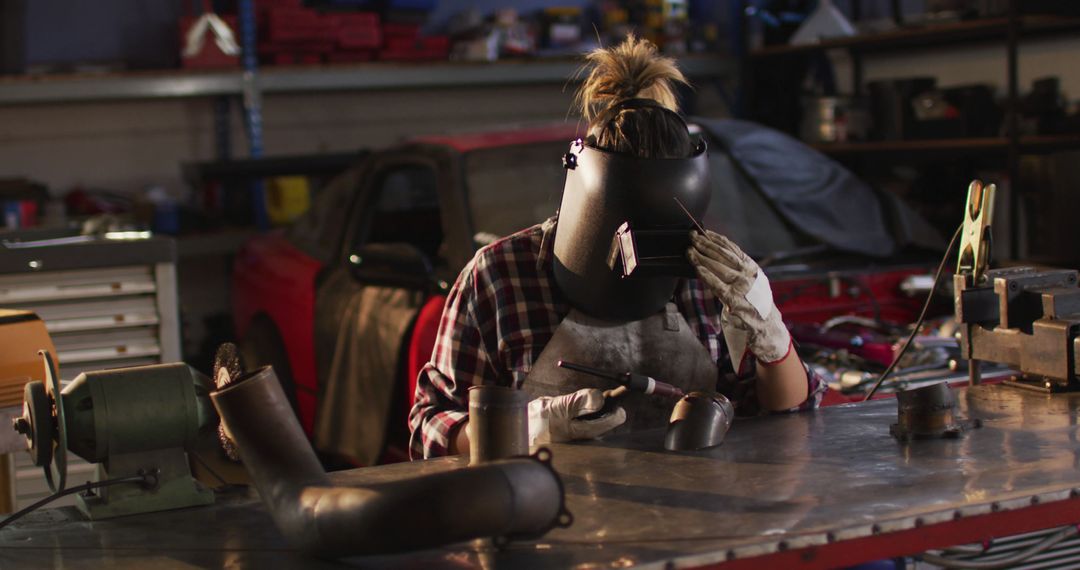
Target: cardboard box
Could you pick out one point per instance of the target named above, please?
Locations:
(22, 334)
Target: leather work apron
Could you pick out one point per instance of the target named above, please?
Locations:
(661, 346)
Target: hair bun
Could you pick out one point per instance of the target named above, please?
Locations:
(632, 69)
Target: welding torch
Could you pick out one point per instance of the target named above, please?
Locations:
(634, 382)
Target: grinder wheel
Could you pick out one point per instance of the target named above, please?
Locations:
(36, 423)
(228, 367)
(56, 469)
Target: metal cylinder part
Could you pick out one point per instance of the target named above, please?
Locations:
(700, 420)
(927, 412)
(498, 423)
(508, 498)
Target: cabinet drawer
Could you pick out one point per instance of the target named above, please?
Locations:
(18, 290)
(103, 314)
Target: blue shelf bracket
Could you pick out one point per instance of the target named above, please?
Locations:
(252, 101)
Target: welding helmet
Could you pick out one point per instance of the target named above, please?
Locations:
(607, 193)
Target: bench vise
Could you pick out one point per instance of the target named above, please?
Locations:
(1024, 317)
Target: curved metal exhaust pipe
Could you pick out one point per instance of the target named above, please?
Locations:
(513, 498)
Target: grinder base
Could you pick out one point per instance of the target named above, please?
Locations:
(175, 488)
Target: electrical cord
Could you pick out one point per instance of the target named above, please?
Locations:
(922, 315)
(1038, 548)
(148, 479)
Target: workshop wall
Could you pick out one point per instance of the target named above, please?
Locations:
(127, 146)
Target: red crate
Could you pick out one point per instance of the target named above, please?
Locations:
(426, 43)
(350, 56)
(358, 19)
(401, 30)
(359, 38)
(286, 25)
(310, 46)
(296, 58)
(412, 55)
(436, 43)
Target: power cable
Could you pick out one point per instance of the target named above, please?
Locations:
(922, 315)
(146, 479)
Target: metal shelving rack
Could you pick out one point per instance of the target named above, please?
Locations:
(1013, 27)
(149, 85)
(251, 83)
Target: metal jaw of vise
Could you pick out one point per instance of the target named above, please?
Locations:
(132, 421)
(1024, 317)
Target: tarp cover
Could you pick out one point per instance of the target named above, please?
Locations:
(356, 394)
(817, 195)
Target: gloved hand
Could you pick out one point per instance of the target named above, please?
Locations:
(750, 317)
(554, 418)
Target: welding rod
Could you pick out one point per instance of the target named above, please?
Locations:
(689, 215)
(635, 382)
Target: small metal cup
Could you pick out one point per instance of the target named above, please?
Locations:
(498, 423)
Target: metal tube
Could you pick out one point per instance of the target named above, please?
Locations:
(515, 497)
(700, 420)
(498, 423)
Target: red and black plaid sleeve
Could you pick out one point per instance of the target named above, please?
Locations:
(501, 308)
(459, 360)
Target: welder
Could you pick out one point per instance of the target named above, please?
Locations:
(549, 293)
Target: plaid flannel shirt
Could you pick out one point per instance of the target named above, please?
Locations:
(502, 311)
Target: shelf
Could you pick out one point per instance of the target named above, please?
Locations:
(930, 35)
(221, 242)
(324, 164)
(995, 145)
(15, 90)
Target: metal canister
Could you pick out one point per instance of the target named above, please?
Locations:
(929, 412)
(498, 423)
(834, 119)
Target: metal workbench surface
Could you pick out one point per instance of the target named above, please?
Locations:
(778, 483)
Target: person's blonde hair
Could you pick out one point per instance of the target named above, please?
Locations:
(633, 70)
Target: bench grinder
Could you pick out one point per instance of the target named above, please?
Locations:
(131, 421)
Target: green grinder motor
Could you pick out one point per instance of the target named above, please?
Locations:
(131, 421)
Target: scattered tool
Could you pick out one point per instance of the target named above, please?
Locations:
(635, 382)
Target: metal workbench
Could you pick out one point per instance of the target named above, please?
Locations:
(822, 488)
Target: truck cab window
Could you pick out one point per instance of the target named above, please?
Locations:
(406, 210)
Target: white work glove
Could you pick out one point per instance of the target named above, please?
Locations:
(553, 419)
(750, 318)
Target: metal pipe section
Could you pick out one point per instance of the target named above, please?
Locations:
(700, 420)
(498, 423)
(512, 498)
